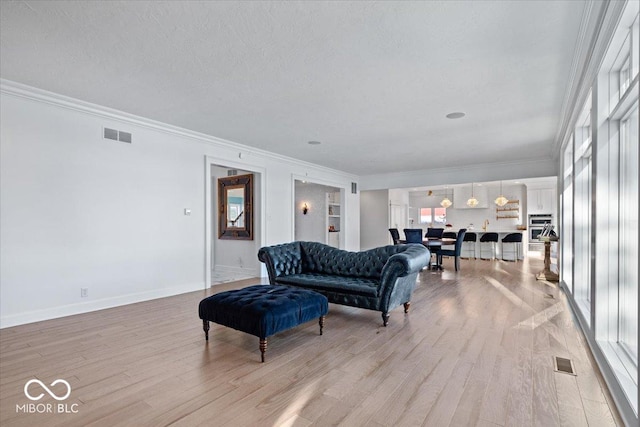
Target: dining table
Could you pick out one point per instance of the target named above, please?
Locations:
(434, 244)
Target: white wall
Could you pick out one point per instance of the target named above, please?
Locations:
(78, 211)
(374, 219)
(398, 196)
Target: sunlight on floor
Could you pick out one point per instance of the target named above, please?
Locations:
(290, 415)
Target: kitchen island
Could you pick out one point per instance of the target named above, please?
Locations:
(502, 232)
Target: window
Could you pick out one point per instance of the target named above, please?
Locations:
(599, 212)
(435, 217)
(617, 321)
(628, 235)
(440, 216)
(582, 215)
(625, 74)
(426, 216)
(566, 203)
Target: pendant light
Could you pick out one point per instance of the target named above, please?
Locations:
(501, 200)
(445, 203)
(472, 202)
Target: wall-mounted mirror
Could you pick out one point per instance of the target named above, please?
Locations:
(235, 207)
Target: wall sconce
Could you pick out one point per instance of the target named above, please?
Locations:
(305, 209)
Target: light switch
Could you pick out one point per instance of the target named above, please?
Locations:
(187, 212)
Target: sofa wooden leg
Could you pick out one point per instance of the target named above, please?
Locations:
(406, 306)
(385, 319)
(263, 348)
(205, 326)
(321, 322)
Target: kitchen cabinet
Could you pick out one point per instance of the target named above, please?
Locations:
(541, 201)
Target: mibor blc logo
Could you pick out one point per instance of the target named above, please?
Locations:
(35, 389)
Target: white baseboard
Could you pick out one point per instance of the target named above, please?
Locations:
(86, 307)
(250, 272)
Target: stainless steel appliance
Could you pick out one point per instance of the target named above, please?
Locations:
(536, 225)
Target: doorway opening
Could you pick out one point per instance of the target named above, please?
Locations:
(319, 213)
(230, 260)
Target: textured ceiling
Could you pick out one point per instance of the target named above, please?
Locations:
(372, 81)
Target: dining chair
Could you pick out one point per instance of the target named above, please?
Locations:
(488, 245)
(455, 252)
(448, 235)
(434, 233)
(413, 235)
(469, 245)
(395, 235)
(511, 247)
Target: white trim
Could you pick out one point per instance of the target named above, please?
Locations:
(627, 102)
(616, 360)
(240, 271)
(594, 53)
(574, 79)
(20, 90)
(89, 306)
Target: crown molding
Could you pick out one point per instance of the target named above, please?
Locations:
(530, 168)
(598, 25)
(12, 88)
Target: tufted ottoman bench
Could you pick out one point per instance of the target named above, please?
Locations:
(263, 310)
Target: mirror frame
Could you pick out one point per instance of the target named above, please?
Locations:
(224, 185)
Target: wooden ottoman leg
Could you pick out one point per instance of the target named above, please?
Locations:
(406, 306)
(385, 318)
(205, 326)
(263, 348)
(321, 322)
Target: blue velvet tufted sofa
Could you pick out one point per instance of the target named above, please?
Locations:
(378, 279)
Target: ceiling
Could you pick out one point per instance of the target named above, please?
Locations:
(372, 81)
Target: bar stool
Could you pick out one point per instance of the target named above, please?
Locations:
(512, 247)
(488, 245)
(449, 235)
(469, 245)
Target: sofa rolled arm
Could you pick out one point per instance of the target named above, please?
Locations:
(412, 260)
(281, 260)
(396, 283)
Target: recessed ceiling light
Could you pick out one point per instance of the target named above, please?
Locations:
(314, 142)
(456, 115)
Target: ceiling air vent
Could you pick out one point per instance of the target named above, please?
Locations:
(116, 135)
(232, 172)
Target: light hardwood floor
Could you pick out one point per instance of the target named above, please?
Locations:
(475, 349)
